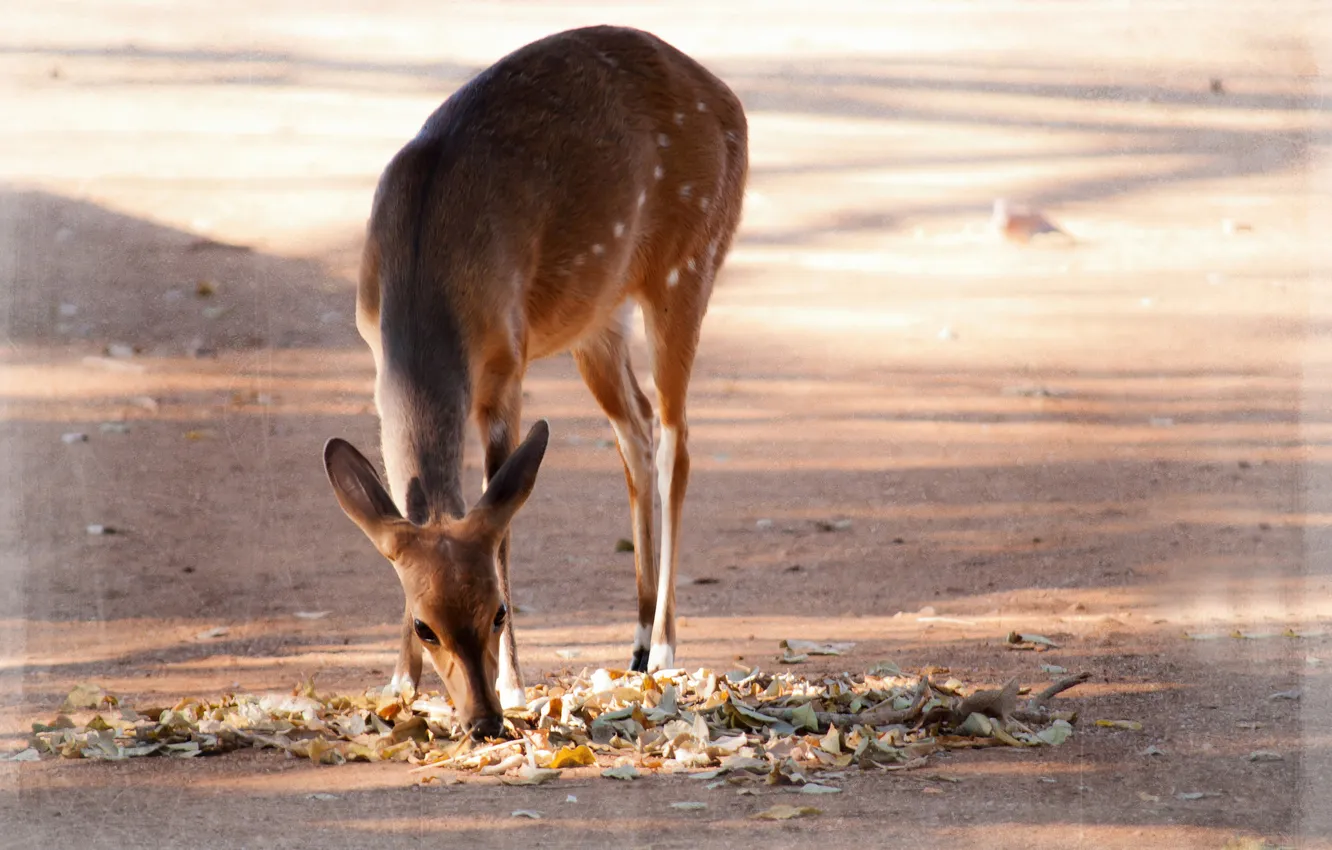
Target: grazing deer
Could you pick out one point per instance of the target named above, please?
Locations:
(585, 173)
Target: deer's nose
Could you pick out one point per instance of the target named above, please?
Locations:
(487, 727)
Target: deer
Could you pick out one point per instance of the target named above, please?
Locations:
(589, 174)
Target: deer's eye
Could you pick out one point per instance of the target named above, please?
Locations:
(500, 616)
(424, 633)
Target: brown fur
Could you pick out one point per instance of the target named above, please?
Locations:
(584, 171)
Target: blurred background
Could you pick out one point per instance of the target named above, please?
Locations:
(913, 426)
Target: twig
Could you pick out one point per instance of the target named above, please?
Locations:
(1039, 701)
(448, 762)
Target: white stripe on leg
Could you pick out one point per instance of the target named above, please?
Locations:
(662, 654)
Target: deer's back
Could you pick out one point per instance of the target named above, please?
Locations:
(583, 167)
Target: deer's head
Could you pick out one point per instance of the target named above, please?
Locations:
(447, 568)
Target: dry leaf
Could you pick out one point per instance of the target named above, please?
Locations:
(531, 776)
(624, 771)
(579, 756)
(689, 806)
(525, 813)
(809, 647)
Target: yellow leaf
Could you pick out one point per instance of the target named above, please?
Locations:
(579, 756)
(831, 742)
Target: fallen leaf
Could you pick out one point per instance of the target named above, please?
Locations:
(320, 795)
(624, 545)
(804, 717)
(809, 647)
(1053, 670)
(531, 776)
(1264, 756)
(1056, 733)
(215, 632)
(689, 806)
(1197, 795)
(815, 788)
(1015, 639)
(525, 813)
(84, 695)
(312, 615)
(579, 756)
(1290, 695)
(1148, 798)
(625, 771)
(30, 754)
(782, 811)
(885, 669)
(1153, 750)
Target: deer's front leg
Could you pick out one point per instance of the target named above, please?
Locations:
(499, 415)
(407, 672)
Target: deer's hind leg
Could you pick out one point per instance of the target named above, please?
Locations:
(605, 366)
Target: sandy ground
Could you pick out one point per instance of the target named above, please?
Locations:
(1112, 443)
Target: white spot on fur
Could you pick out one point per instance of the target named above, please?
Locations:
(701, 106)
(658, 172)
(598, 249)
(619, 229)
(642, 196)
(704, 203)
(689, 264)
(673, 278)
(686, 189)
(663, 140)
(679, 119)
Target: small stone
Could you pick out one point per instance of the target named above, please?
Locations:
(764, 524)
(98, 530)
(74, 437)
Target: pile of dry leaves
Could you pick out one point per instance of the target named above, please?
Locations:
(783, 725)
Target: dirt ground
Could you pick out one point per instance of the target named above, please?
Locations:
(1112, 443)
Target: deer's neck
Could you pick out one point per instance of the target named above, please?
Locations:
(424, 396)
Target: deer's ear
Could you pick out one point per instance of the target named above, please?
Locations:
(363, 497)
(513, 483)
